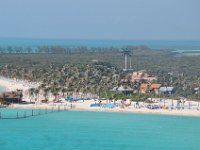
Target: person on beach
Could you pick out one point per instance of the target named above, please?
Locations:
(183, 104)
(137, 104)
(178, 104)
(71, 106)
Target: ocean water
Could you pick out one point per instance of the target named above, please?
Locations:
(100, 131)
(33, 43)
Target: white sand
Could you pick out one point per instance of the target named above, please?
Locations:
(13, 85)
(85, 106)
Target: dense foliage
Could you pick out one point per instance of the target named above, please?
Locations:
(97, 70)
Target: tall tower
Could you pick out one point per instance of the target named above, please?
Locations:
(126, 53)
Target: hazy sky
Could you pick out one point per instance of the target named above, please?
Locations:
(101, 19)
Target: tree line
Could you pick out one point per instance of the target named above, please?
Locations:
(181, 72)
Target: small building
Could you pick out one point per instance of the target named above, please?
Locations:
(150, 88)
(123, 89)
(167, 90)
(144, 87)
(12, 97)
(141, 75)
(155, 88)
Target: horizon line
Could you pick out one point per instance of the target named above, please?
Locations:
(100, 39)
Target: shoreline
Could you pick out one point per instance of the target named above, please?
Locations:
(10, 85)
(139, 112)
(166, 112)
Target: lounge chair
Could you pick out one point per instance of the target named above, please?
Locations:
(95, 105)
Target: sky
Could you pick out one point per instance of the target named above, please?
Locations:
(101, 19)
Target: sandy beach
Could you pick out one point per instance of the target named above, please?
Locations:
(85, 106)
(11, 85)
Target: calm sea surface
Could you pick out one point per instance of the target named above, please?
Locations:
(99, 131)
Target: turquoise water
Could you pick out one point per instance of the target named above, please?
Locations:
(178, 45)
(100, 131)
(12, 113)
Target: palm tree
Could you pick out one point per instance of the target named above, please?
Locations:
(46, 92)
(55, 91)
(31, 92)
(64, 90)
(37, 93)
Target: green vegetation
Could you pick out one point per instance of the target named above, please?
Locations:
(97, 70)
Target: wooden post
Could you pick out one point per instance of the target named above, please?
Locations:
(24, 114)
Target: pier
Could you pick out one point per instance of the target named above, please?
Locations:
(23, 114)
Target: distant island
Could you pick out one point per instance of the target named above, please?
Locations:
(98, 70)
